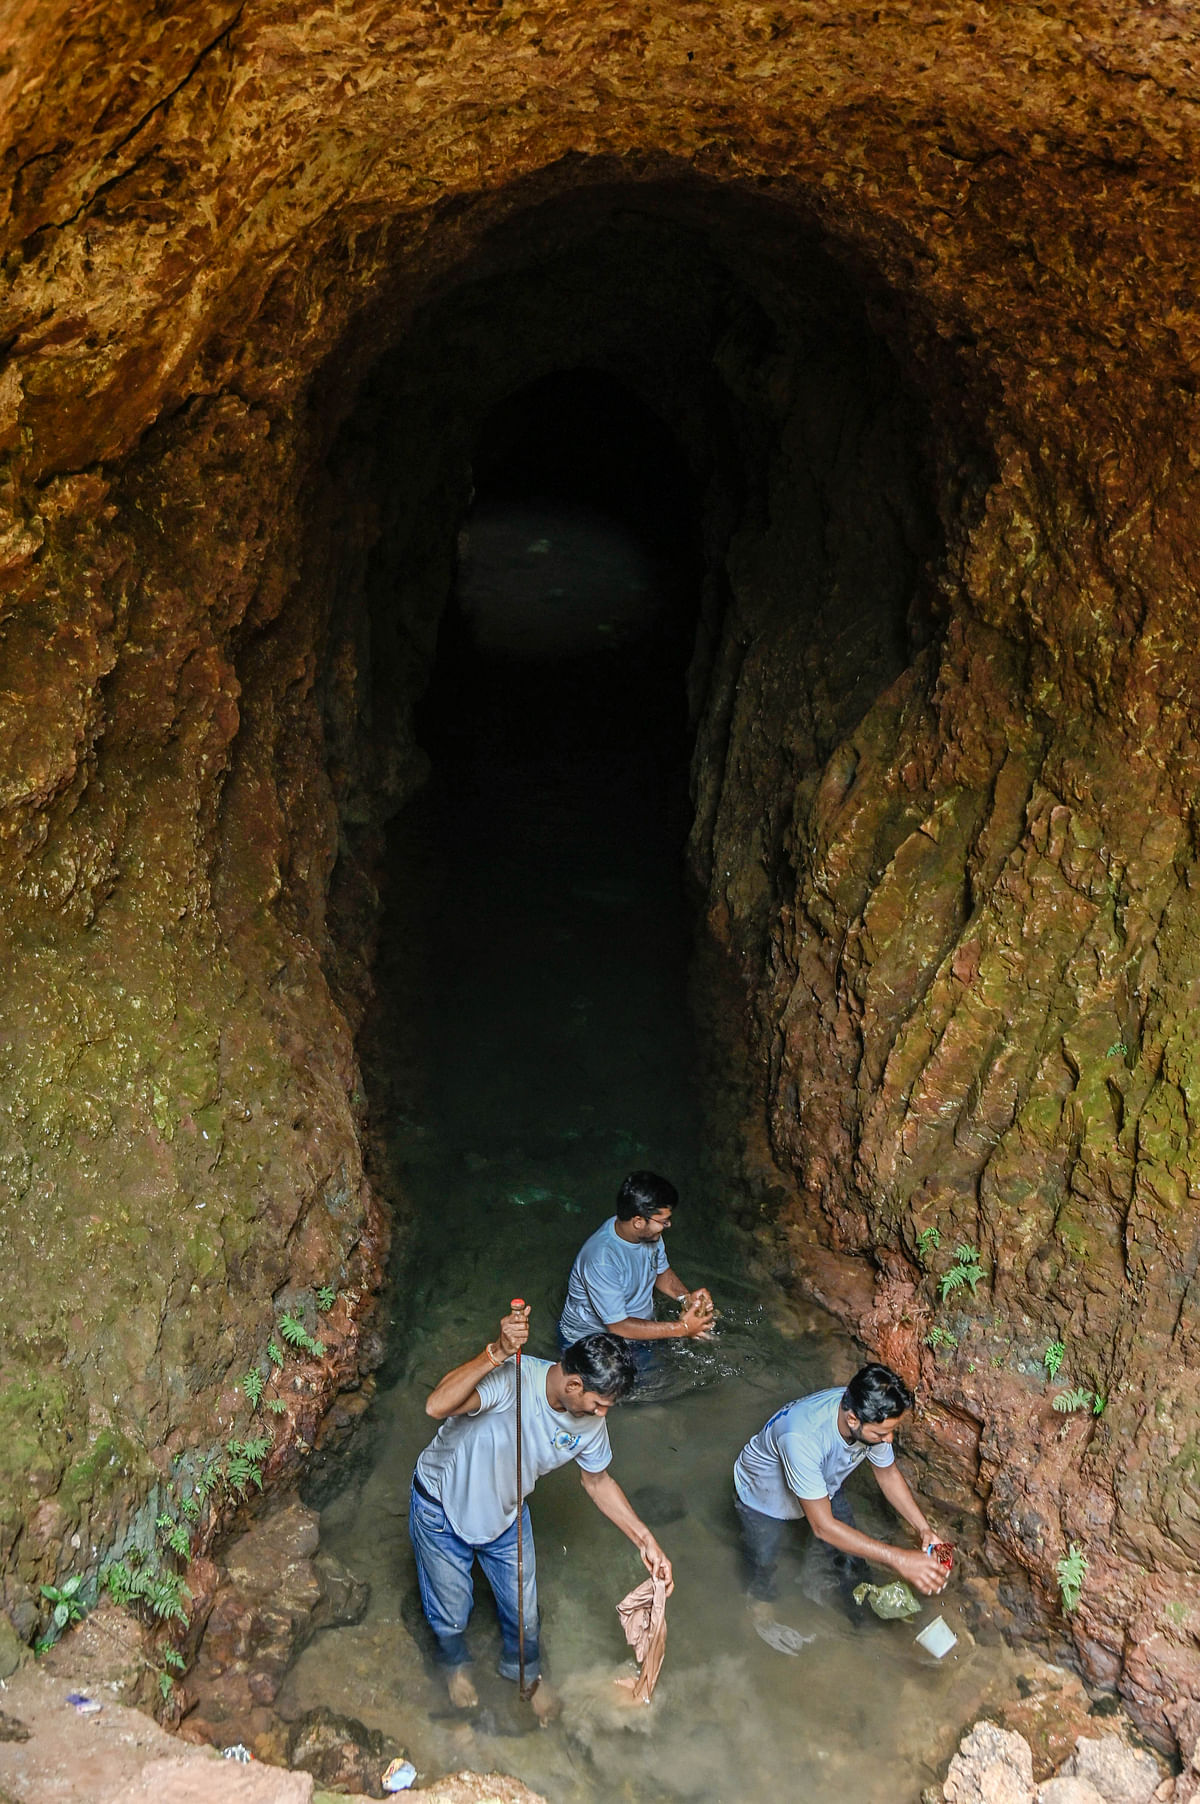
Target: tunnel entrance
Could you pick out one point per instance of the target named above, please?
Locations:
(533, 1045)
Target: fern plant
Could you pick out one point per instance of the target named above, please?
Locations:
(326, 1296)
(275, 1353)
(146, 1589)
(927, 1240)
(243, 1467)
(208, 1478)
(252, 1387)
(173, 1664)
(1053, 1357)
(296, 1335)
(1067, 1401)
(175, 1535)
(940, 1337)
(1071, 1571)
(966, 1270)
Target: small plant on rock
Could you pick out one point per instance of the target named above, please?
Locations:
(1071, 1571)
(252, 1387)
(175, 1535)
(275, 1353)
(208, 1478)
(296, 1335)
(1066, 1402)
(146, 1589)
(927, 1240)
(966, 1270)
(326, 1296)
(241, 1469)
(67, 1609)
(173, 1664)
(940, 1337)
(277, 1406)
(1053, 1357)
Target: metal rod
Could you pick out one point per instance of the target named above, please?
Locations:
(519, 1303)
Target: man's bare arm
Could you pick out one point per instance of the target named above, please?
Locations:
(920, 1569)
(894, 1485)
(695, 1319)
(612, 1502)
(457, 1394)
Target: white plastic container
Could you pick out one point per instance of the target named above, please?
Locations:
(937, 1638)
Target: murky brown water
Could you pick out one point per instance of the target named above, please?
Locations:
(550, 989)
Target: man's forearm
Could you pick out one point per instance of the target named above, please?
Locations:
(671, 1285)
(894, 1485)
(852, 1540)
(633, 1327)
(612, 1502)
(451, 1394)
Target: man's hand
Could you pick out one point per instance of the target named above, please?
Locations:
(697, 1313)
(514, 1331)
(922, 1571)
(655, 1561)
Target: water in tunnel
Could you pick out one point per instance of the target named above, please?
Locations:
(534, 1044)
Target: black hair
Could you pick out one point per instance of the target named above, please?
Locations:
(876, 1394)
(645, 1193)
(605, 1364)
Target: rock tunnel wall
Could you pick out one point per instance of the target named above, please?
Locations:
(944, 785)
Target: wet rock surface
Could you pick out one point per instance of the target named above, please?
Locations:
(936, 374)
(340, 1752)
(274, 1590)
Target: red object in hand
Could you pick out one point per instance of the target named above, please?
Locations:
(943, 1553)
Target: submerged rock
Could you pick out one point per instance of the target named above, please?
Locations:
(340, 1751)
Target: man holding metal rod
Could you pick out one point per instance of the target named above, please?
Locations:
(470, 1483)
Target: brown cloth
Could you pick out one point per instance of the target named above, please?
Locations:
(644, 1619)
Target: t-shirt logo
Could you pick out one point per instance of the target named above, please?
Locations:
(565, 1441)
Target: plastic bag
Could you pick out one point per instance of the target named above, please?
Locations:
(894, 1602)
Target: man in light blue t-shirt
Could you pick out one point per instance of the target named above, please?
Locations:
(464, 1503)
(617, 1271)
(794, 1469)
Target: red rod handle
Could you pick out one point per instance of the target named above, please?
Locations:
(517, 1303)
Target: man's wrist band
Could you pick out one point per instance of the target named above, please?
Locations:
(494, 1358)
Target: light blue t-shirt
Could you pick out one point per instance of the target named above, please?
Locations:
(799, 1453)
(611, 1279)
(470, 1466)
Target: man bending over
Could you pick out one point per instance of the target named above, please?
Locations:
(795, 1467)
(617, 1272)
(464, 1490)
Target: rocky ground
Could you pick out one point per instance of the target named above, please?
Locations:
(50, 1751)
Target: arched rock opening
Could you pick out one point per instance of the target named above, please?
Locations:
(945, 841)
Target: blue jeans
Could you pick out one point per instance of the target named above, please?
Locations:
(762, 1537)
(444, 1565)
